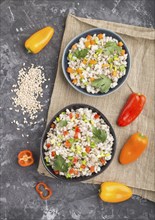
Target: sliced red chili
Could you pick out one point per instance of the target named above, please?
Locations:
(40, 192)
(25, 158)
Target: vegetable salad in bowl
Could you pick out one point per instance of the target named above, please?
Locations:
(79, 143)
(97, 62)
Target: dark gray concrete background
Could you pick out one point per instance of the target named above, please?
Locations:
(19, 200)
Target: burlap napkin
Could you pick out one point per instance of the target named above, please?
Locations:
(140, 41)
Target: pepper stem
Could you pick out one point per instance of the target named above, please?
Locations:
(130, 88)
(29, 51)
(141, 135)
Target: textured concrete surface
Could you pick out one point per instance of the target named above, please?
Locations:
(19, 200)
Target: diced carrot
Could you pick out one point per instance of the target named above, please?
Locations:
(92, 42)
(76, 135)
(77, 129)
(122, 52)
(92, 61)
(70, 70)
(53, 153)
(79, 71)
(76, 172)
(100, 36)
(89, 37)
(114, 73)
(71, 171)
(65, 133)
(74, 47)
(84, 61)
(88, 149)
(96, 116)
(48, 145)
(92, 169)
(92, 79)
(77, 115)
(105, 65)
(87, 43)
(74, 81)
(67, 144)
(71, 115)
(120, 44)
(83, 166)
(75, 160)
(102, 160)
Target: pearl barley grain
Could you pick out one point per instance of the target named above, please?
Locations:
(29, 90)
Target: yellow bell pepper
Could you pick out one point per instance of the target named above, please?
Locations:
(114, 192)
(37, 41)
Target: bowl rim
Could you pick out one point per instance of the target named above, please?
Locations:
(43, 138)
(78, 89)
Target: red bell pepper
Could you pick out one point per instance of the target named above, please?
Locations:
(40, 192)
(131, 109)
(25, 158)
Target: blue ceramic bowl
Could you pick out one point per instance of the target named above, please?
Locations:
(75, 40)
(82, 178)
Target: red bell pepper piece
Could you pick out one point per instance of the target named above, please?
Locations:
(71, 115)
(96, 116)
(65, 133)
(53, 153)
(76, 135)
(40, 192)
(102, 160)
(67, 144)
(77, 115)
(48, 145)
(25, 158)
(87, 149)
(77, 129)
(75, 160)
(131, 109)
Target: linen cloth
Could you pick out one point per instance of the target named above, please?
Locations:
(140, 41)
